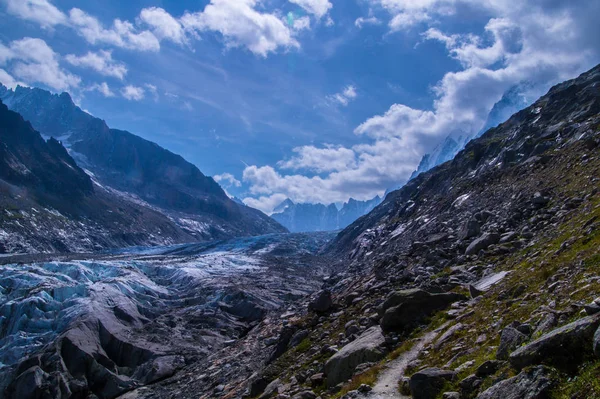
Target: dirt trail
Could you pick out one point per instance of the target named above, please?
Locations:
(386, 386)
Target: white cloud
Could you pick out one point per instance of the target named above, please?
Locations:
(102, 88)
(301, 23)
(345, 96)
(121, 34)
(327, 159)
(529, 42)
(133, 93)
(242, 25)
(153, 90)
(40, 11)
(7, 80)
(163, 25)
(101, 62)
(363, 21)
(227, 180)
(33, 61)
(265, 203)
(319, 8)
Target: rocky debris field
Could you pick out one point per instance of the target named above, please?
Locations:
(107, 325)
(497, 252)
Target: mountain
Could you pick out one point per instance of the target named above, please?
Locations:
(512, 101)
(319, 217)
(139, 168)
(477, 279)
(49, 204)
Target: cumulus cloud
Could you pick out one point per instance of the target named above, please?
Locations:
(121, 34)
(241, 25)
(265, 204)
(33, 61)
(133, 93)
(163, 25)
(101, 62)
(101, 88)
(227, 180)
(40, 11)
(327, 159)
(532, 44)
(345, 96)
(319, 8)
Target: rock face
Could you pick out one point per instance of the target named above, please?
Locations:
(429, 383)
(535, 383)
(510, 339)
(597, 342)
(366, 348)
(563, 348)
(405, 309)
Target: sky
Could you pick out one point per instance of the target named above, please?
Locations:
(313, 100)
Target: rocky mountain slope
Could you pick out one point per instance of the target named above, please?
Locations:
(140, 168)
(49, 204)
(478, 279)
(319, 217)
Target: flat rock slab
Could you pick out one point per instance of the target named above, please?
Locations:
(535, 383)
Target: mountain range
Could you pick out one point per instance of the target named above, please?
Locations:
(121, 164)
(319, 217)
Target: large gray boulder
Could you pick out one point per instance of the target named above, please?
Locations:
(510, 339)
(368, 347)
(322, 302)
(482, 243)
(429, 383)
(404, 310)
(563, 348)
(534, 383)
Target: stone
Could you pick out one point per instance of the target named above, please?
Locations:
(470, 384)
(322, 302)
(474, 291)
(429, 383)
(534, 383)
(447, 335)
(470, 229)
(366, 348)
(317, 379)
(488, 368)
(451, 395)
(405, 385)
(482, 242)
(271, 390)
(510, 339)
(404, 310)
(564, 348)
(364, 388)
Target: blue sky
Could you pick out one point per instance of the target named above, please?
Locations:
(316, 100)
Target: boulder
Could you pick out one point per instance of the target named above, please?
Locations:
(470, 384)
(510, 339)
(297, 338)
(482, 243)
(447, 335)
(451, 395)
(470, 229)
(404, 310)
(564, 348)
(366, 348)
(534, 383)
(322, 302)
(488, 368)
(271, 390)
(429, 383)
